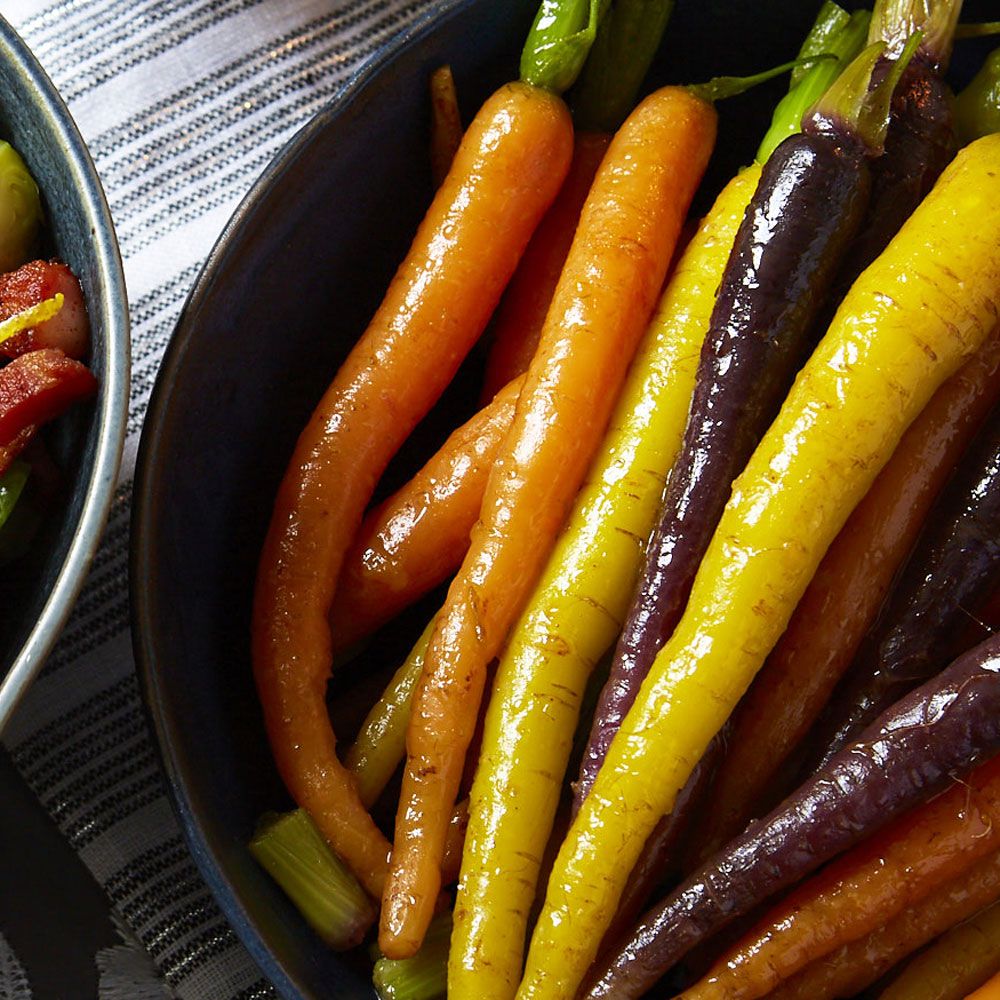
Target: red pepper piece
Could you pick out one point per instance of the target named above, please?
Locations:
(38, 386)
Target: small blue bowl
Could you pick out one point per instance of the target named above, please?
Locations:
(88, 441)
(288, 288)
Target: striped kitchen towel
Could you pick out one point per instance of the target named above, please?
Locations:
(182, 103)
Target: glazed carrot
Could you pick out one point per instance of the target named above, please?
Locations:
(858, 964)
(843, 598)
(446, 123)
(955, 964)
(921, 139)
(911, 753)
(519, 318)
(603, 301)
(837, 33)
(811, 199)
(507, 171)
(572, 619)
(908, 323)
(951, 573)
(416, 538)
(913, 857)
(628, 35)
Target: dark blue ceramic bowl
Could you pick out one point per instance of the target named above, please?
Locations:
(289, 286)
(88, 441)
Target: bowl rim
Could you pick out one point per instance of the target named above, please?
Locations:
(111, 409)
(151, 442)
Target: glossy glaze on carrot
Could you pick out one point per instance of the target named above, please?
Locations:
(953, 570)
(613, 274)
(913, 750)
(417, 538)
(842, 602)
(506, 173)
(913, 859)
(809, 203)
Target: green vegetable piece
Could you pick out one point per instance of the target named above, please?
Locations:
(830, 21)
(11, 486)
(560, 41)
(895, 22)
(20, 210)
(627, 40)
(854, 105)
(977, 108)
(977, 30)
(719, 88)
(844, 45)
(423, 977)
(295, 855)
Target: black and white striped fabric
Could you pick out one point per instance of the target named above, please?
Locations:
(182, 103)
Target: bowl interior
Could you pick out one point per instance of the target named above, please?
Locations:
(38, 589)
(288, 288)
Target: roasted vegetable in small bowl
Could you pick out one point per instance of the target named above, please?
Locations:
(64, 356)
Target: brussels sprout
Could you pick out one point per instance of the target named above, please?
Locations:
(20, 210)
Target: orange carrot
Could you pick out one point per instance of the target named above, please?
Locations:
(855, 966)
(843, 599)
(864, 889)
(417, 538)
(518, 322)
(603, 301)
(446, 123)
(506, 173)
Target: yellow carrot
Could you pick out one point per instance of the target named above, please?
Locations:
(602, 305)
(573, 617)
(908, 322)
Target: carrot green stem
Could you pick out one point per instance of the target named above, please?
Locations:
(423, 977)
(857, 103)
(977, 108)
(844, 44)
(294, 853)
(830, 21)
(977, 30)
(560, 41)
(895, 22)
(719, 88)
(627, 40)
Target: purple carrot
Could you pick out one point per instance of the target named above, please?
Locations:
(921, 139)
(911, 752)
(659, 857)
(953, 570)
(810, 201)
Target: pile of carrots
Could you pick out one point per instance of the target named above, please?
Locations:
(712, 698)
